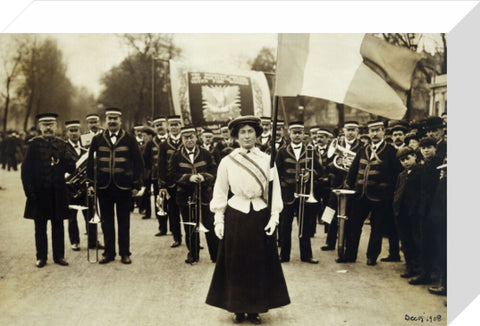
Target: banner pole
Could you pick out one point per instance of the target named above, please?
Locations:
(273, 154)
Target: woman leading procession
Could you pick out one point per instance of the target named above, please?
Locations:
(248, 278)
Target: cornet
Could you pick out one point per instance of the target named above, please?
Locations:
(340, 152)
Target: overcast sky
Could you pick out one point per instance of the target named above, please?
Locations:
(89, 56)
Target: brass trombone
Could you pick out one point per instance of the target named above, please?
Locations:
(301, 192)
(94, 220)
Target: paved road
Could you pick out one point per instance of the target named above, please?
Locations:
(158, 288)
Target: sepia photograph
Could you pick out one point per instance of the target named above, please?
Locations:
(223, 178)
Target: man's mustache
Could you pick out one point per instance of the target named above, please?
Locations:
(112, 124)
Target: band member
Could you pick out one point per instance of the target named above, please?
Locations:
(116, 165)
(166, 184)
(290, 161)
(93, 125)
(322, 187)
(148, 134)
(150, 157)
(313, 134)
(399, 131)
(266, 134)
(43, 177)
(280, 139)
(76, 151)
(337, 177)
(137, 131)
(248, 277)
(227, 145)
(373, 174)
(193, 170)
(207, 143)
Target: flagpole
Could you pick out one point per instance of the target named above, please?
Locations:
(272, 154)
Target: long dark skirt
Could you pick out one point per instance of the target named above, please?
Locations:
(248, 276)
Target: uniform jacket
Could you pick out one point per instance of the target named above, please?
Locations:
(166, 151)
(406, 198)
(120, 164)
(289, 168)
(150, 157)
(224, 149)
(180, 169)
(43, 177)
(266, 148)
(374, 178)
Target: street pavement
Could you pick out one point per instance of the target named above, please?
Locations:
(158, 288)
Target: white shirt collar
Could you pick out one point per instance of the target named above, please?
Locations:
(175, 138)
(377, 145)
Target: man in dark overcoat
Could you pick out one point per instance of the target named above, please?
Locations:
(193, 169)
(116, 165)
(43, 177)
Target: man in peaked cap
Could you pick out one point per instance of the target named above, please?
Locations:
(193, 169)
(290, 160)
(372, 174)
(43, 177)
(399, 130)
(93, 125)
(166, 184)
(266, 135)
(116, 165)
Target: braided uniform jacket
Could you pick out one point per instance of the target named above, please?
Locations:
(180, 169)
(150, 157)
(288, 168)
(374, 178)
(165, 153)
(120, 164)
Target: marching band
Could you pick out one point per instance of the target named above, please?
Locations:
(393, 182)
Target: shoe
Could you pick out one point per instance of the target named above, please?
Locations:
(126, 260)
(61, 261)
(41, 262)
(438, 290)
(175, 244)
(371, 262)
(327, 248)
(201, 247)
(254, 319)
(75, 247)
(106, 260)
(284, 260)
(344, 260)
(159, 234)
(238, 317)
(310, 261)
(422, 279)
(191, 261)
(391, 258)
(146, 217)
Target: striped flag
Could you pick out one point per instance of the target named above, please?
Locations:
(361, 71)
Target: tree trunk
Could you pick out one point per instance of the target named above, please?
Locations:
(29, 111)
(7, 103)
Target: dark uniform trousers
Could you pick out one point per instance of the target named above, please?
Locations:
(192, 239)
(109, 199)
(361, 208)
(91, 229)
(285, 230)
(173, 216)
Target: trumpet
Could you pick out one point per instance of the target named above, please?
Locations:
(301, 193)
(340, 152)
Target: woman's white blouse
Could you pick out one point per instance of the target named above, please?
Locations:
(244, 187)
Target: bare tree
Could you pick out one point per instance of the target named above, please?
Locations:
(11, 65)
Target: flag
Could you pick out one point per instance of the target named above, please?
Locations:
(359, 70)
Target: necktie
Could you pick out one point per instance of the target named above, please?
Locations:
(113, 138)
(190, 155)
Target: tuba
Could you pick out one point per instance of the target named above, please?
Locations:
(76, 183)
(302, 185)
(340, 152)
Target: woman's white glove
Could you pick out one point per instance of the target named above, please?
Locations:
(219, 227)
(272, 224)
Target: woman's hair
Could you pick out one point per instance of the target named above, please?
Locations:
(258, 128)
